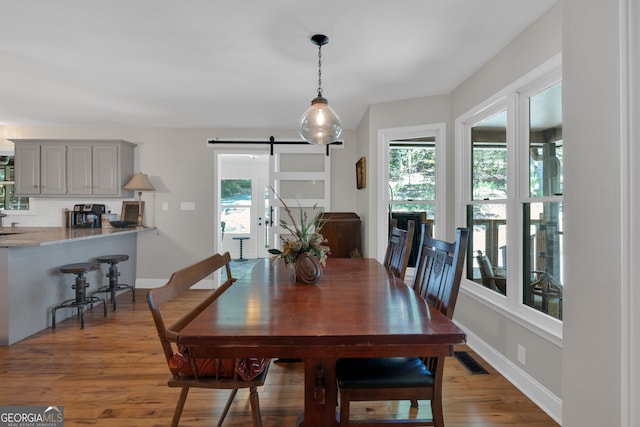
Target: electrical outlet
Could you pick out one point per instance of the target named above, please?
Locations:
(522, 354)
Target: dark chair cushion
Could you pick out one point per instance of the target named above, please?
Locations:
(383, 372)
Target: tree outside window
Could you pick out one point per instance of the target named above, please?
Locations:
(412, 184)
(235, 206)
(8, 200)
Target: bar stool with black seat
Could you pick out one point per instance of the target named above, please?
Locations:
(113, 287)
(81, 299)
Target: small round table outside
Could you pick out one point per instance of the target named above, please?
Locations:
(241, 239)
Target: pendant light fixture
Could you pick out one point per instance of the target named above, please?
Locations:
(320, 124)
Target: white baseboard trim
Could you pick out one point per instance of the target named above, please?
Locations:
(540, 395)
(156, 283)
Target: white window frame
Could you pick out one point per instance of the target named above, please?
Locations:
(385, 136)
(512, 98)
(10, 151)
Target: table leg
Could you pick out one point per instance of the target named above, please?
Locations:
(320, 393)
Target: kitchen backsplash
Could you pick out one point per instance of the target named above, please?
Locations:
(50, 212)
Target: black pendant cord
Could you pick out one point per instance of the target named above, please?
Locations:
(319, 40)
(320, 70)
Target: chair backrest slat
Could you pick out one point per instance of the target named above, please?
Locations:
(399, 248)
(439, 270)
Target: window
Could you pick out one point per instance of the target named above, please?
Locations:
(8, 199)
(235, 206)
(512, 152)
(542, 209)
(412, 184)
(413, 174)
(487, 213)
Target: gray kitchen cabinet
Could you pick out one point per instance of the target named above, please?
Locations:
(50, 168)
(106, 175)
(27, 169)
(79, 166)
(40, 170)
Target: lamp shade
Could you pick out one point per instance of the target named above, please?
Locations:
(139, 182)
(320, 124)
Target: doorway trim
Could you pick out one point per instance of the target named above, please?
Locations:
(217, 172)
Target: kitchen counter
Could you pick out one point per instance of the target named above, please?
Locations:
(30, 280)
(40, 236)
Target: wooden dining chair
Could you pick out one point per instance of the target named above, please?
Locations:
(399, 248)
(437, 278)
(203, 373)
(489, 276)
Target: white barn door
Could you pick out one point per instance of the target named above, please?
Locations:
(300, 174)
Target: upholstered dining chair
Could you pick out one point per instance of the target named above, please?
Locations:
(490, 278)
(437, 278)
(399, 248)
(186, 373)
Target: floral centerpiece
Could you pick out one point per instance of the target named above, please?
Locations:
(304, 237)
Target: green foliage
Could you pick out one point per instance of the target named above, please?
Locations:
(412, 173)
(230, 188)
(489, 173)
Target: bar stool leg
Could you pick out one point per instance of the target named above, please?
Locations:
(113, 283)
(81, 296)
(114, 286)
(80, 300)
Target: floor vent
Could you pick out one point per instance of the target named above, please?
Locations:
(469, 362)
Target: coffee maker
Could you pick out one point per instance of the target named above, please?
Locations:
(87, 215)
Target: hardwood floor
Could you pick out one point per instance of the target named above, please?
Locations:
(113, 373)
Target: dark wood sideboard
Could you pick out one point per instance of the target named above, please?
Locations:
(343, 231)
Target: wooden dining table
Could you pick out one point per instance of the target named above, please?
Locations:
(357, 309)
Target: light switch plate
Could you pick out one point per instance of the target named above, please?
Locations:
(522, 354)
(187, 206)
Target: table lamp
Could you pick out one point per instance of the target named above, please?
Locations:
(139, 182)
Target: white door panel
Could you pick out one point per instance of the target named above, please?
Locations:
(300, 174)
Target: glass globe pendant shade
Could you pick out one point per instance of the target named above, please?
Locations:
(320, 124)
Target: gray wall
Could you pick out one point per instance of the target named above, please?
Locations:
(409, 112)
(632, 231)
(601, 231)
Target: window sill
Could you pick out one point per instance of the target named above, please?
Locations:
(538, 323)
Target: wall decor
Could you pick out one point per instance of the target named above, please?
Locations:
(361, 173)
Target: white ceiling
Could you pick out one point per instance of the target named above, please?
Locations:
(238, 63)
